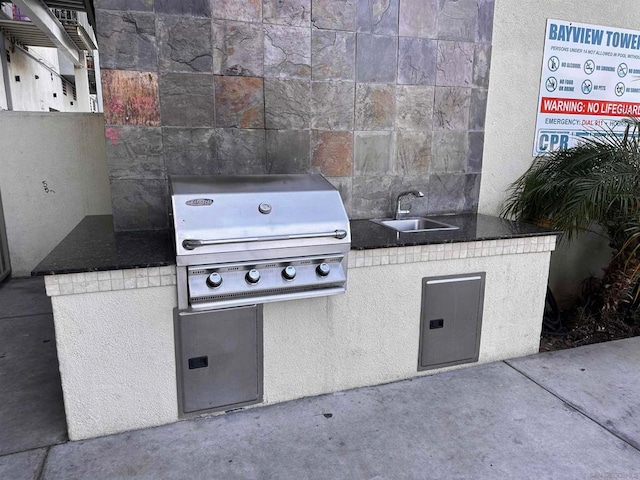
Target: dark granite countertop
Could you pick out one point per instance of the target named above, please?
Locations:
(94, 246)
(472, 228)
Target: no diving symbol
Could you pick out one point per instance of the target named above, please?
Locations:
(551, 84)
(620, 89)
(589, 67)
(587, 86)
(622, 70)
(554, 64)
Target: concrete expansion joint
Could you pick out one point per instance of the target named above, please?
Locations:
(40, 472)
(574, 407)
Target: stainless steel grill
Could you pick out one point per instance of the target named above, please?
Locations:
(254, 239)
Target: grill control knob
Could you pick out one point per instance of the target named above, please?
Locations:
(252, 276)
(323, 269)
(214, 280)
(289, 273)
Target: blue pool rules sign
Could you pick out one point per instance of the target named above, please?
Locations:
(590, 81)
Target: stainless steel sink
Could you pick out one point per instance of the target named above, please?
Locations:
(414, 224)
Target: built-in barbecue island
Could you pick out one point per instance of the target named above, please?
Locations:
(415, 303)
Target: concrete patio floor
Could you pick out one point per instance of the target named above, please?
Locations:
(562, 415)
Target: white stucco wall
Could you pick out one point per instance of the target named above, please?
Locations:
(116, 348)
(516, 63)
(65, 150)
(371, 335)
(117, 362)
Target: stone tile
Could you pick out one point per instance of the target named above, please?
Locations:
(332, 153)
(484, 33)
(139, 204)
(455, 64)
(481, 66)
(373, 151)
(418, 18)
(287, 104)
(243, 10)
(344, 185)
(238, 48)
(474, 155)
(184, 44)
(453, 193)
(376, 58)
(287, 52)
(127, 40)
(25, 465)
(332, 105)
(414, 107)
(288, 151)
(135, 154)
(333, 55)
(371, 197)
(186, 99)
(295, 13)
(417, 61)
(413, 153)
(239, 102)
(449, 152)
(378, 16)
(125, 5)
(472, 192)
(240, 151)
(451, 108)
(457, 20)
(477, 109)
(334, 14)
(193, 8)
(189, 151)
(375, 107)
(130, 98)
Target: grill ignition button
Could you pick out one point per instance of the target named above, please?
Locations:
(252, 276)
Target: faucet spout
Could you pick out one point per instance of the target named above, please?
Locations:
(399, 210)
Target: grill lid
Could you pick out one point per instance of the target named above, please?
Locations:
(213, 214)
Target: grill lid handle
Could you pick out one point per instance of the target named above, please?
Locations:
(191, 244)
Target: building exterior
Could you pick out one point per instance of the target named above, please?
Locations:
(49, 56)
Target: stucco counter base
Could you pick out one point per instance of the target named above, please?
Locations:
(115, 340)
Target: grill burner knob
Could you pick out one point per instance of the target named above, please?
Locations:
(323, 269)
(289, 273)
(214, 280)
(252, 276)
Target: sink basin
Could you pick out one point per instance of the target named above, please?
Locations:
(414, 224)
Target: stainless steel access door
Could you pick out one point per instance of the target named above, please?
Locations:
(5, 264)
(219, 354)
(451, 320)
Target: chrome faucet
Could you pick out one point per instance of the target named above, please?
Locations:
(399, 211)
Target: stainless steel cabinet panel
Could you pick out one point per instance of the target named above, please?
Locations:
(219, 358)
(451, 320)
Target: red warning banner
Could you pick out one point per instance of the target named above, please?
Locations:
(569, 106)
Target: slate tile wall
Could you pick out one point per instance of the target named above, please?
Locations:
(380, 96)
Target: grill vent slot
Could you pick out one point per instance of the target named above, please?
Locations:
(263, 293)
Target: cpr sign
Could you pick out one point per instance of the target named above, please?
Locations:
(590, 80)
